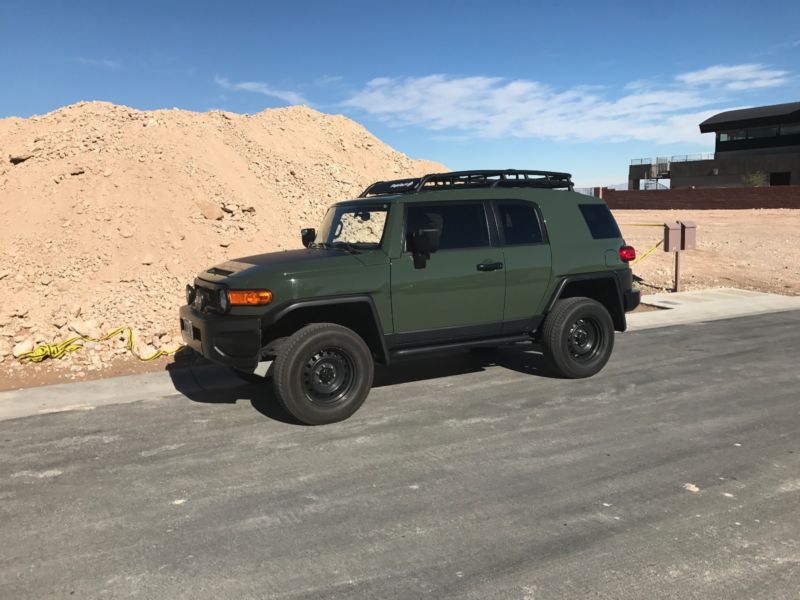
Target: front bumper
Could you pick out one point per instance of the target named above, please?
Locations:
(631, 298)
(225, 339)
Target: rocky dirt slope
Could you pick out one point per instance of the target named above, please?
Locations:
(106, 212)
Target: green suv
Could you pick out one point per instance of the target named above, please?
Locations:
(471, 259)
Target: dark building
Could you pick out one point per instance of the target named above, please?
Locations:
(754, 146)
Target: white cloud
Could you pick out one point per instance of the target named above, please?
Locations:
(497, 107)
(260, 88)
(329, 79)
(97, 62)
(735, 77)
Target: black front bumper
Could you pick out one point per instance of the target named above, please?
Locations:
(225, 339)
(631, 298)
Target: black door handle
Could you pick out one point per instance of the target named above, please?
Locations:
(494, 266)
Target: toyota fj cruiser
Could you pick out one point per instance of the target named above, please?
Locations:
(470, 259)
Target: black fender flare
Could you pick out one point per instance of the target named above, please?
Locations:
(620, 321)
(290, 306)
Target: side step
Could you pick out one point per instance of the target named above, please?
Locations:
(496, 341)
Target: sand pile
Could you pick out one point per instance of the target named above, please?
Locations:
(106, 212)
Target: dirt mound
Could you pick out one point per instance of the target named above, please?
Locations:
(106, 212)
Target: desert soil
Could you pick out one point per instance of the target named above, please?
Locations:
(747, 249)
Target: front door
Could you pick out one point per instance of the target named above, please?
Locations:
(461, 287)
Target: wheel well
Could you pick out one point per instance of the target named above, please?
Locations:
(603, 290)
(358, 316)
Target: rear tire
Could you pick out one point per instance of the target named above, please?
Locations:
(577, 337)
(323, 373)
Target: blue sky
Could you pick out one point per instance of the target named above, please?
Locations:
(576, 86)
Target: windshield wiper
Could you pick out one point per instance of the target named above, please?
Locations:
(346, 246)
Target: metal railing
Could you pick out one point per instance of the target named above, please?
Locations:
(692, 157)
(672, 159)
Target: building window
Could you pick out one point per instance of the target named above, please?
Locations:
(790, 129)
(761, 132)
(732, 136)
(782, 178)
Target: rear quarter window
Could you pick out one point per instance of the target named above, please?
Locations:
(600, 221)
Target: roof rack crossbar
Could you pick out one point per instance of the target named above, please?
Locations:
(462, 179)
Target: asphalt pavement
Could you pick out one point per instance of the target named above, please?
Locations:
(674, 473)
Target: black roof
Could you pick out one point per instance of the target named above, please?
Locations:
(469, 179)
(753, 117)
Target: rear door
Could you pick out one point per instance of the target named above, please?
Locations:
(462, 286)
(527, 259)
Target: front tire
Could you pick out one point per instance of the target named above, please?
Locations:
(323, 373)
(578, 337)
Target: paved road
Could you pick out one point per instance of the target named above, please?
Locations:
(675, 473)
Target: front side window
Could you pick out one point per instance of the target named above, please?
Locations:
(519, 223)
(463, 225)
(358, 226)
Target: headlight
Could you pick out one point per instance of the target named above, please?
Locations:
(190, 293)
(222, 300)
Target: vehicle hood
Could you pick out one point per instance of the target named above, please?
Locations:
(287, 262)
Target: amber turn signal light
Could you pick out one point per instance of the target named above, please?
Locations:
(249, 297)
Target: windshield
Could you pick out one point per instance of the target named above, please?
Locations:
(356, 226)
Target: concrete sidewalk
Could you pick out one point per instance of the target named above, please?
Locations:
(684, 308)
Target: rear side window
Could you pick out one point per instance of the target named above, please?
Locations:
(463, 225)
(601, 222)
(520, 224)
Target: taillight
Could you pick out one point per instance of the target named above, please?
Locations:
(627, 253)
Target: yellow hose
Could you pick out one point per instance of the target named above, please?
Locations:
(648, 253)
(59, 349)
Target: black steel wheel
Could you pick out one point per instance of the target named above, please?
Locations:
(328, 376)
(584, 339)
(577, 337)
(323, 373)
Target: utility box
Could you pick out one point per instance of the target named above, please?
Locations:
(688, 235)
(672, 237)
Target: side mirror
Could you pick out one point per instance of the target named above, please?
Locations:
(308, 235)
(424, 242)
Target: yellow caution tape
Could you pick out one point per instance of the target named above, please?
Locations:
(59, 349)
(648, 253)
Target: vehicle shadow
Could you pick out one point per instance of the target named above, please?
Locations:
(436, 365)
(203, 382)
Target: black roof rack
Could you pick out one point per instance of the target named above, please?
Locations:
(467, 179)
